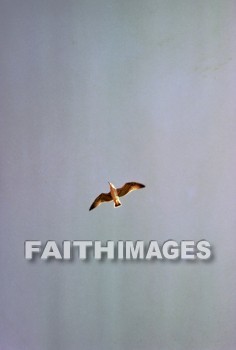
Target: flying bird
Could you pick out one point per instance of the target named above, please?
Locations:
(115, 193)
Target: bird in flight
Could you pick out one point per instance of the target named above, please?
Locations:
(115, 193)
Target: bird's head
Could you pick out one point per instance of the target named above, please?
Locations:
(111, 185)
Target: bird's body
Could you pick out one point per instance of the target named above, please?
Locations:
(115, 193)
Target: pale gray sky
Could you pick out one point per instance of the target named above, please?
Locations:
(97, 91)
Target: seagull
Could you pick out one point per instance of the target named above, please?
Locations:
(115, 193)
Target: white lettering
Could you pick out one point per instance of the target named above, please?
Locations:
(32, 247)
(153, 251)
(99, 250)
(51, 250)
(204, 250)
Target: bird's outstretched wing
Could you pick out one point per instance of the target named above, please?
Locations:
(128, 187)
(103, 197)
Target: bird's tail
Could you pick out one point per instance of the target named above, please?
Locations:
(117, 203)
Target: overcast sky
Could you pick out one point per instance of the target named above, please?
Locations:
(97, 91)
